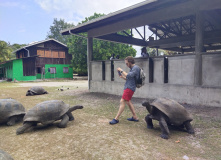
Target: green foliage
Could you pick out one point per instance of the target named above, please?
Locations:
(59, 25)
(102, 50)
(14, 47)
(153, 52)
(78, 48)
(5, 51)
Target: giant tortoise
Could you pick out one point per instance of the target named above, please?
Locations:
(167, 112)
(5, 156)
(11, 111)
(36, 90)
(46, 113)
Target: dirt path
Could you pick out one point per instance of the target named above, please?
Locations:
(81, 83)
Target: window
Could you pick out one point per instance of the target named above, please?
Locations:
(52, 70)
(48, 54)
(1, 71)
(65, 69)
(40, 53)
(61, 54)
(54, 54)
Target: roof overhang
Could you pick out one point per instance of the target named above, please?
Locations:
(151, 13)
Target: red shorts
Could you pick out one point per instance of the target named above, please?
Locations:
(127, 95)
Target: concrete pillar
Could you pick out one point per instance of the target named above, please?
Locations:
(89, 59)
(199, 36)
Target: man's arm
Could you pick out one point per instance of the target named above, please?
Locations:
(123, 73)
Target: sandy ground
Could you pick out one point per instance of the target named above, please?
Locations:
(90, 136)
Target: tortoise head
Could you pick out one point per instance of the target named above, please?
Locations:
(29, 93)
(147, 105)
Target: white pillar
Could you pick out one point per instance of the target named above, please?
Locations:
(198, 48)
(89, 58)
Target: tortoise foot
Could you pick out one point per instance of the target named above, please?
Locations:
(164, 136)
(19, 131)
(11, 123)
(191, 132)
(149, 127)
(61, 126)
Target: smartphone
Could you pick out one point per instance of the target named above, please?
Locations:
(119, 73)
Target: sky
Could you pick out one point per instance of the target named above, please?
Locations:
(26, 21)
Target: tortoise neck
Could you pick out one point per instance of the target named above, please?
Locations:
(71, 109)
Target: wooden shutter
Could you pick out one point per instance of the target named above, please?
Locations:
(54, 54)
(48, 54)
(61, 54)
(40, 53)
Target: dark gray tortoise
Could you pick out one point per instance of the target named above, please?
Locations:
(11, 111)
(37, 90)
(46, 113)
(5, 156)
(167, 112)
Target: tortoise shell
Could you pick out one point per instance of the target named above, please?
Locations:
(37, 90)
(176, 113)
(9, 108)
(47, 112)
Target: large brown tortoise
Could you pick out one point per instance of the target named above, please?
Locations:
(36, 90)
(11, 111)
(46, 113)
(167, 112)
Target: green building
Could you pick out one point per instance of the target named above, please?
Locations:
(46, 59)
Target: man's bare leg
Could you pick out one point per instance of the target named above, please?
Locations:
(121, 109)
(131, 106)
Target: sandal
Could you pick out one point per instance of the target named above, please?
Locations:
(114, 121)
(132, 119)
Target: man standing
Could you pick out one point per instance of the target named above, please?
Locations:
(129, 89)
(144, 52)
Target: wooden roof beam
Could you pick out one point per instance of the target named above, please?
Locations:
(123, 39)
(210, 37)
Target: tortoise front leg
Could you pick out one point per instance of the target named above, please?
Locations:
(189, 127)
(25, 126)
(149, 121)
(164, 128)
(70, 115)
(64, 121)
(12, 121)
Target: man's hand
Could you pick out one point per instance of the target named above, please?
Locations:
(119, 69)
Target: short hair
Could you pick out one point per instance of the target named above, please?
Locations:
(144, 49)
(130, 59)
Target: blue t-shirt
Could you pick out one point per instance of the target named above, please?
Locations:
(130, 79)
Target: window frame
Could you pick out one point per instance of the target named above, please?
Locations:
(64, 71)
(54, 70)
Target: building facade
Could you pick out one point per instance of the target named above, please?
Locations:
(39, 60)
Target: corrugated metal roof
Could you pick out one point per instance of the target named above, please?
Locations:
(35, 43)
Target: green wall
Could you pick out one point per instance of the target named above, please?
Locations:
(18, 71)
(38, 76)
(59, 71)
(8, 70)
(15, 71)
